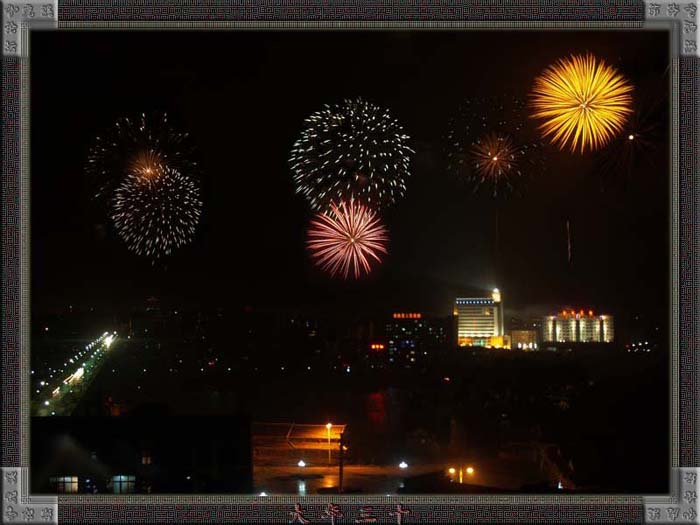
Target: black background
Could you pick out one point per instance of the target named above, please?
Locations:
(243, 97)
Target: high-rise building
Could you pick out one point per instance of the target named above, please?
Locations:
(569, 326)
(523, 339)
(412, 339)
(480, 321)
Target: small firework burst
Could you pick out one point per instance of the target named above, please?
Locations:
(582, 102)
(351, 150)
(346, 239)
(488, 145)
(145, 144)
(156, 212)
(496, 158)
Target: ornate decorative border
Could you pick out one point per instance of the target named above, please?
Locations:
(676, 506)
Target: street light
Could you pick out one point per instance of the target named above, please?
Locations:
(301, 463)
(328, 431)
(403, 464)
(470, 470)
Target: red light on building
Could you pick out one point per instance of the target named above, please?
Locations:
(402, 315)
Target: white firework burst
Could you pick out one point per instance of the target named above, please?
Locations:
(157, 212)
(354, 150)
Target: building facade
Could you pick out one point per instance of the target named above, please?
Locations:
(570, 326)
(412, 339)
(523, 339)
(480, 321)
(154, 452)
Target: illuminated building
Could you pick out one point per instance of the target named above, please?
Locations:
(412, 338)
(523, 339)
(143, 454)
(480, 321)
(570, 326)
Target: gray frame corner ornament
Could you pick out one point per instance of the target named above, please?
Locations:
(684, 14)
(685, 507)
(18, 506)
(19, 17)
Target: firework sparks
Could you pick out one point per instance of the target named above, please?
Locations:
(488, 146)
(346, 239)
(495, 158)
(156, 213)
(351, 150)
(144, 145)
(582, 102)
(635, 145)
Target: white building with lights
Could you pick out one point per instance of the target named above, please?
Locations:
(570, 326)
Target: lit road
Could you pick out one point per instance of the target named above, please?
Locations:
(388, 479)
(58, 394)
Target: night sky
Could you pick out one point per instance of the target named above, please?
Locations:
(243, 97)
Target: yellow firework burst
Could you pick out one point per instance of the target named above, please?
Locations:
(582, 102)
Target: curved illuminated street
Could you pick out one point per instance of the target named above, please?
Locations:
(59, 393)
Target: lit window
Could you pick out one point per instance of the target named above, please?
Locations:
(65, 485)
(123, 484)
(146, 458)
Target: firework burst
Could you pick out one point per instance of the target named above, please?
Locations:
(496, 158)
(582, 102)
(346, 239)
(144, 145)
(156, 212)
(488, 145)
(351, 150)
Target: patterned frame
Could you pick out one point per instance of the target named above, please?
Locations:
(676, 506)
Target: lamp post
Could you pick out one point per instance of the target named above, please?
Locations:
(328, 431)
(340, 465)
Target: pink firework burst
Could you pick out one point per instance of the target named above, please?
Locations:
(345, 239)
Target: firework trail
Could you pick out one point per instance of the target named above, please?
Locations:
(156, 212)
(346, 239)
(137, 145)
(582, 102)
(488, 146)
(354, 150)
(568, 242)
